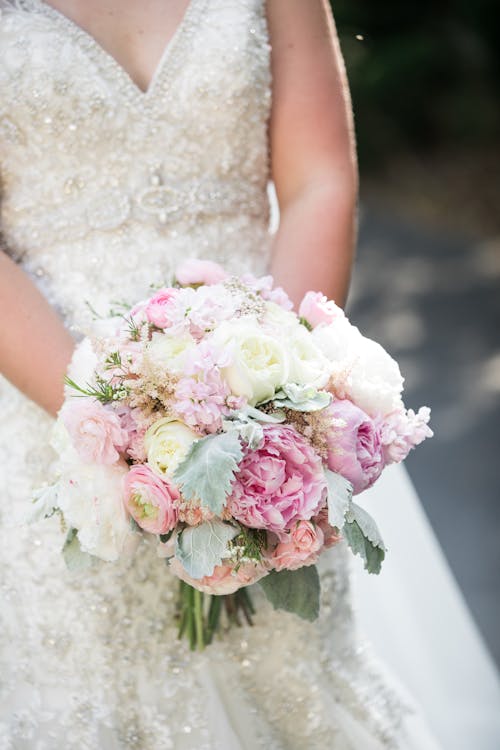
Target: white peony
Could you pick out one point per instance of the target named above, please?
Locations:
(91, 499)
(280, 321)
(82, 366)
(362, 370)
(167, 442)
(168, 352)
(259, 362)
(308, 365)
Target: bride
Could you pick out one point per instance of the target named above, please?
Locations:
(133, 134)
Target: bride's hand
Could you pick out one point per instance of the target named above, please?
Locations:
(35, 347)
(313, 154)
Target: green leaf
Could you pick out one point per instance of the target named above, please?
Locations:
(363, 537)
(339, 498)
(207, 472)
(74, 557)
(295, 591)
(201, 548)
(301, 397)
(45, 503)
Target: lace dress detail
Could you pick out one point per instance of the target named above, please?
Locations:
(105, 188)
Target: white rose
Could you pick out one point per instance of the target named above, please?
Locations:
(308, 365)
(167, 442)
(279, 320)
(91, 499)
(365, 372)
(259, 362)
(168, 352)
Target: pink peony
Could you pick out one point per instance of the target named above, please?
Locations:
(354, 445)
(403, 430)
(316, 309)
(331, 534)
(279, 483)
(158, 308)
(224, 580)
(150, 501)
(196, 271)
(95, 430)
(300, 547)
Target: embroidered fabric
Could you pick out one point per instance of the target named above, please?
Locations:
(104, 190)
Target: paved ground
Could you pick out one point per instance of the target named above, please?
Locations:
(433, 300)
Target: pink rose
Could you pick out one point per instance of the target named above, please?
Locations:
(224, 580)
(403, 430)
(279, 483)
(158, 308)
(150, 501)
(316, 309)
(331, 534)
(300, 547)
(196, 271)
(95, 430)
(354, 445)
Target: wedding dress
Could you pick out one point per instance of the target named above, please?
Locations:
(105, 188)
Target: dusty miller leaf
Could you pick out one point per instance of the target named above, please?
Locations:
(295, 591)
(363, 537)
(339, 498)
(207, 472)
(74, 557)
(302, 397)
(201, 548)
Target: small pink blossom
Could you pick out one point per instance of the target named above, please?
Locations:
(95, 430)
(354, 444)
(316, 309)
(197, 271)
(300, 547)
(158, 308)
(403, 430)
(224, 579)
(150, 501)
(264, 285)
(279, 483)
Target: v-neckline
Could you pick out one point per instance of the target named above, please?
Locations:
(81, 34)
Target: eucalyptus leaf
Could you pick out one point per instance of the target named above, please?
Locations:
(207, 472)
(201, 548)
(364, 538)
(295, 591)
(74, 557)
(339, 498)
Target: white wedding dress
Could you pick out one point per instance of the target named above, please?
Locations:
(104, 190)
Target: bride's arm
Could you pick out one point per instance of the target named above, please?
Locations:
(35, 347)
(313, 152)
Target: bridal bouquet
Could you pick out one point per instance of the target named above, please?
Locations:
(215, 423)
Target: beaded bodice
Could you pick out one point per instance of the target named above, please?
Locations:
(100, 178)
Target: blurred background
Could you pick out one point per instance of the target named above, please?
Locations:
(425, 82)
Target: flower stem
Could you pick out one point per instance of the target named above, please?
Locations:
(198, 619)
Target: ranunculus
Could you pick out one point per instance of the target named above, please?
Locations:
(308, 365)
(300, 547)
(167, 442)
(354, 444)
(197, 271)
(166, 352)
(158, 306)
(279, 483)
(259, 362)
(402, 431)
(90, 497)
(362, 370)
(150, 501)
(316, 309)
(224, 579)
(95, 430)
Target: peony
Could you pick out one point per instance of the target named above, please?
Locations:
(402, 431)
(196, 271)
(168, 353)
(224, 579)
(354, 444)
(301, 546)
(316, 309)
(89, 497)
(150, 501)
(158, 307)
(95, 430)
(308, 365)
(278, 321)
(279, 483)
(167, 442)
(259, 362)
